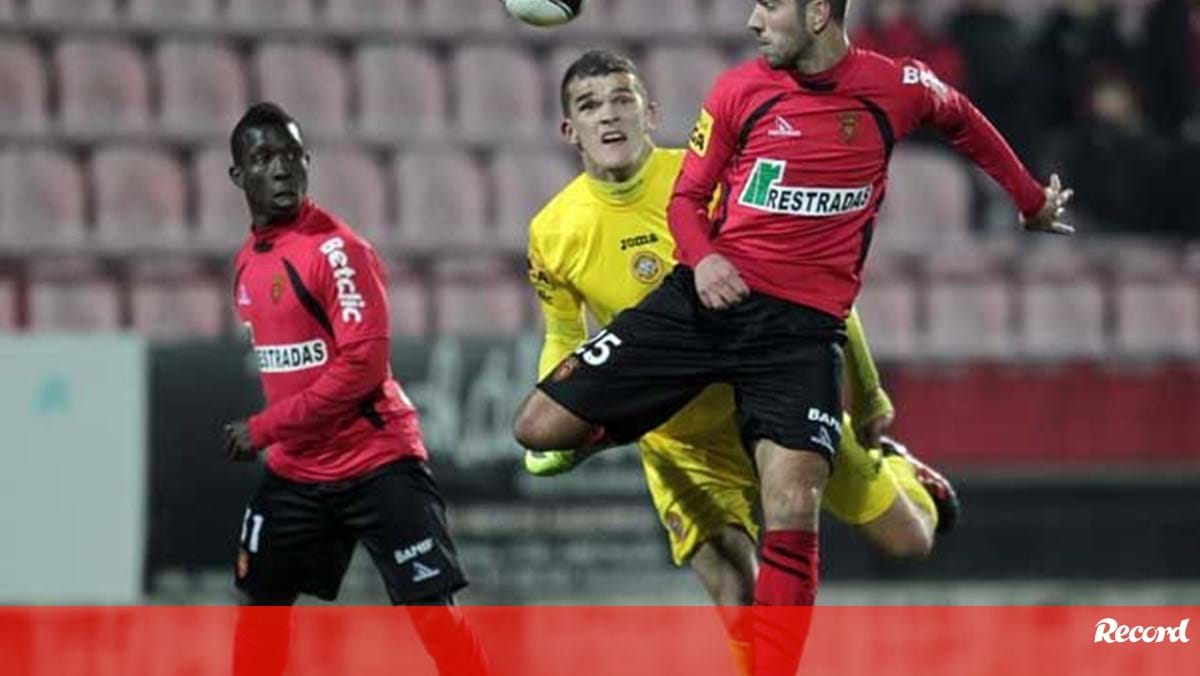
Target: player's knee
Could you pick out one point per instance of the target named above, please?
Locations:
(910, 544)
(540, 425)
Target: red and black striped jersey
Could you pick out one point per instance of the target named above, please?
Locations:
(801, 162)
(312, 294)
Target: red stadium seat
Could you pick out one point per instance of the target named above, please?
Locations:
(308, 81)
(348, 182)
(464, 16)
(726, 19)
(478, 297)
(103, 87)
(140, 198)
(8, 9)
(172, 13)
(41, 199)
(73, 304)
(443, 198)
(642, 19)
(887, 307)
(970, 307)
(370, 14)
(402, 91)
(928, 203)
(172, 308)
(271, 13)
(22, 87)
(1061, 302)
(202, 87)
(680, 78)
(72, 11)
(8, 304)
(222, 217)
(408, 301)
(524, 183)
(1157, 317)
(500, 96)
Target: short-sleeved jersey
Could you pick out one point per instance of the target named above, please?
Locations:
(802, 164)
(306, 291)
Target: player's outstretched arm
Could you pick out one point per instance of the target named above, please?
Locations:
(1049, 217)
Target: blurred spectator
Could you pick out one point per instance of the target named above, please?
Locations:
(1171, 66)
(997, 70)
(893, 28)
(1077, 38)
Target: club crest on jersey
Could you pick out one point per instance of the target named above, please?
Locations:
(764, 191)
(348, 297)
(648, 267)
(848, 126)
(276, 289)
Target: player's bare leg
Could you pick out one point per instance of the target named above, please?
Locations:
(555, 439)
(792, 483)
(727, 565)
(904, 531)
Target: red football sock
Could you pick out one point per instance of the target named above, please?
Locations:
(450, 641)
(783, 597)
(260, 642)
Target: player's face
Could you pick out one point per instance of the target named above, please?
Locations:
(609, 122)
(273, 172)
(782, 31)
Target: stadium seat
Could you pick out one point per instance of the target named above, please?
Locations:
(308, 81)
(443, 198)
(222, 217)
(728, 19)
(679, 78)
(172, 13)
(73, 304)
(103, 87)
(8, 304)
(969, 305)
(140, 198)
(641, 19)
(179, 308)
(347, 181)
(202, 88)
(478, 297)
(499, 94)
(1157, 317)
(271, 13)
(72, 11)
(887, 307)
(524, 182)
(408, 301)
(41, 199)
(1061, 302)
(370, 14)
(464, 16)
(402, 92)
(8, 10)
(927, 205)
(22, 88)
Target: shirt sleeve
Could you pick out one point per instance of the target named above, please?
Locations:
(968, 130)
(562, 309)
(868, 400)
(710, 146)
(357, 372)
(349, 284)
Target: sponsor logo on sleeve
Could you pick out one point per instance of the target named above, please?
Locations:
(701, 133)
(349, 299)
(291, 357)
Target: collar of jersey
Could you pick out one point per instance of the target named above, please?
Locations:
(826, 80)
(627, 191)
(275, 231)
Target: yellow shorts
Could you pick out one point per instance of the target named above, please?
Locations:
(700, 486)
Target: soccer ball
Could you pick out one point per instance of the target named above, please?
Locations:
(544, 12)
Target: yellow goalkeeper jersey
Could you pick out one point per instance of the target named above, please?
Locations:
(602, 247)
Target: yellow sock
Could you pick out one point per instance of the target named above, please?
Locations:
(741, 656)
(906, 477)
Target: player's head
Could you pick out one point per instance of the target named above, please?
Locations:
(270, 163)
(788, 30)
(607, 114)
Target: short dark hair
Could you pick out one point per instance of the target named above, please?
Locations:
(264, 114)
(838, 9)
(595, 63)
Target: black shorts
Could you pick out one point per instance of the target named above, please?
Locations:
(299, 537)
(783, 360)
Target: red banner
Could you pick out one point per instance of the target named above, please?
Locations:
(624, 641)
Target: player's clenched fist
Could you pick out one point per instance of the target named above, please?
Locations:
(238, 446)
(718, 283)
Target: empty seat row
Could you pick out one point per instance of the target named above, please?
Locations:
(141, 197)
(396, 91)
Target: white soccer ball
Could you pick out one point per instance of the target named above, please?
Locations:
(544, 12)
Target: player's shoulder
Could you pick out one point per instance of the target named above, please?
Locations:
(327, 229)
(898, 73)
(743, 77)
(564, 211)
